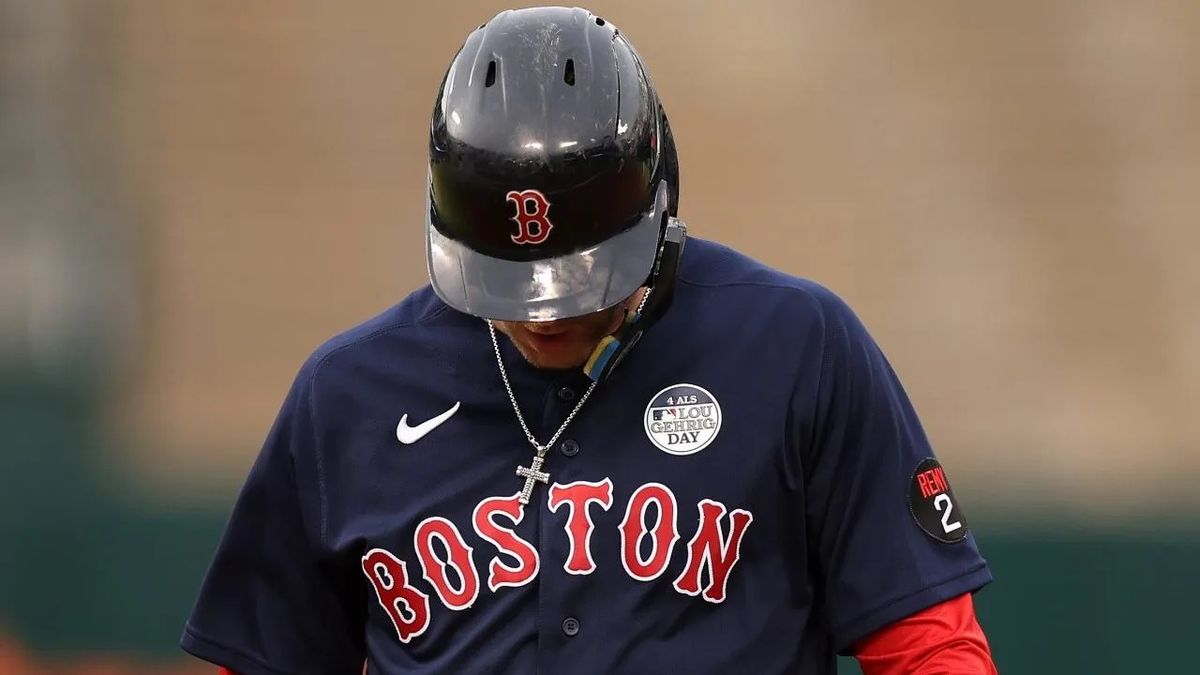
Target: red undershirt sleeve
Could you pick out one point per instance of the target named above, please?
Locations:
(941, 640)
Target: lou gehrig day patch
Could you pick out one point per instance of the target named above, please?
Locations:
(933, 505)
(682, 419)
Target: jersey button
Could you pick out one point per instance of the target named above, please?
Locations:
(570, 626)
(569, 448)
(566, 394)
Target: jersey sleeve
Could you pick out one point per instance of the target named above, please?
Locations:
(881, 555)
(272, 601)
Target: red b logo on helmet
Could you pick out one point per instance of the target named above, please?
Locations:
(533, 225)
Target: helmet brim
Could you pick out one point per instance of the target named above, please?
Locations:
(578, 283)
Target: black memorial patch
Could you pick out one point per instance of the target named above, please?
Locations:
(933, 505)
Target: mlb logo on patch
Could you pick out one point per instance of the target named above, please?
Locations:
(682, 419)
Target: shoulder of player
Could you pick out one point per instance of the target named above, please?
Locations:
(388, 331)
(719, 268)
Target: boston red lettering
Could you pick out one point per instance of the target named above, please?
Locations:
(578, 496)
(407, 607)
(663, 535)
(448, 562)
(503, 538)
(460, 558)
(710, 549)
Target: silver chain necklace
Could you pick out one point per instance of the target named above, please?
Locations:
(533, 473)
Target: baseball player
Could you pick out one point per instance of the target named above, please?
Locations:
(591, 445)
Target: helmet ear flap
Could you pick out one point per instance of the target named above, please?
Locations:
(612, 350)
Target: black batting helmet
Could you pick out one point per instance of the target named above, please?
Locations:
(552, 170)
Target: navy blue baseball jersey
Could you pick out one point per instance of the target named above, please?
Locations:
(750, 491)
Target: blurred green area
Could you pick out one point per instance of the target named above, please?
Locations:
(89, 567)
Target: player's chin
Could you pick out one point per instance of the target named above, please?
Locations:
(558, 361)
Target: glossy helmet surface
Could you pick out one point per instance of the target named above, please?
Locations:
(552, 169)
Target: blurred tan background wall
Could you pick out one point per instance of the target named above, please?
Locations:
(193, 195)
(1008, 193)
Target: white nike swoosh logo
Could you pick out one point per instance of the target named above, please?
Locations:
(406, 434)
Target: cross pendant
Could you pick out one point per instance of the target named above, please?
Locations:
(531, 474)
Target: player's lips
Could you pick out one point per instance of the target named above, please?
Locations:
(548, 343)
(555, 344)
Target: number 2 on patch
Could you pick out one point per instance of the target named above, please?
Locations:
(944, 506)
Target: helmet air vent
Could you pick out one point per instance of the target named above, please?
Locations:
(491, 74)
(569, 74)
